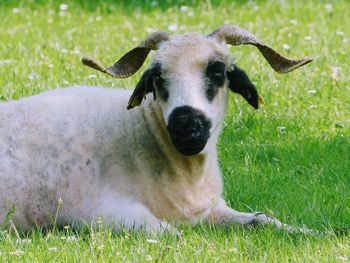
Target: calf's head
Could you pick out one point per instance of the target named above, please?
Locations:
(190, 76)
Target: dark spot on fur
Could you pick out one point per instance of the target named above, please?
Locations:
(215, 73)
(211, 91)
(66, 166)
(155, 154)
(88, 162)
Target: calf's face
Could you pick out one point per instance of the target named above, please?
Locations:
(188, 79)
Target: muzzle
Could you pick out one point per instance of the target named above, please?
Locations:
(188, 129)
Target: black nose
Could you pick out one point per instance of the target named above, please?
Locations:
(188, 129)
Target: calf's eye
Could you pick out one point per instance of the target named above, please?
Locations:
(216, 72)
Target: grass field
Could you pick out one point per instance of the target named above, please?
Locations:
(290, 159)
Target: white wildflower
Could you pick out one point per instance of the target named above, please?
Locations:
(190, 13)
(286, 46)
(153, 241)
(311, 91)
(340, 33)
(33, 76)
(53, 249)
(63, 7)
(154, 3)
(73, 239)
(172, 27)
(307, 38)
(24, 241)
(100, 247)
(343, 258)
(150, 30)
(76, 51)
(293, 21)
(184, 8)
(70, 238)
(16, 253)
(274, 81)
(15, 10)
(328, 7)
(92, 76)
(234, 250)
(334, 74)
(6, 61)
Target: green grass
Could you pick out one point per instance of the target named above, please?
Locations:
(290, 159)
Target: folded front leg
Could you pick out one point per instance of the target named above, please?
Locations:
(226, 216)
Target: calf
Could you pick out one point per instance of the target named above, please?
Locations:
(136, 169)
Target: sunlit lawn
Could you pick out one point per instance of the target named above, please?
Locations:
(290, 159)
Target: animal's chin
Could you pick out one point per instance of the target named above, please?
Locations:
(189, 147)
(188, 151)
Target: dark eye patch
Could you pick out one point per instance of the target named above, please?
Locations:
(216, 75)
(159, 82)
(216, 72)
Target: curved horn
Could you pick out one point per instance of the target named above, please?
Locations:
(235, 36)
(131, 62)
